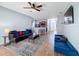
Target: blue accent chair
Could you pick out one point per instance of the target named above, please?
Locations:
(63, 46)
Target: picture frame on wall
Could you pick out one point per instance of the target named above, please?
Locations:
(69, 16)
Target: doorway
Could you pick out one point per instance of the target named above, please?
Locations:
(51, 24)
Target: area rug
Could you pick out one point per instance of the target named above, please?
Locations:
(27, 47)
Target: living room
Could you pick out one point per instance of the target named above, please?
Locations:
(34, 28)
(21, 33)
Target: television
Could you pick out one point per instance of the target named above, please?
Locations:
(69, 16)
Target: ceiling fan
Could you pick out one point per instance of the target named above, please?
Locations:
(33, 6)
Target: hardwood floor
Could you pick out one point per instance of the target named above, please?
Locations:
(44, 50)
(58, 54)
(4, 51)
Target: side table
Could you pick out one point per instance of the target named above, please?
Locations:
(5, 37)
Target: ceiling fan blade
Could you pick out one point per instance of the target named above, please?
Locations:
(36, 9)
(39, 6)
(27, 8)
(33, 5)
(29, 3)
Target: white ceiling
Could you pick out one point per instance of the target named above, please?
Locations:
(49, 9)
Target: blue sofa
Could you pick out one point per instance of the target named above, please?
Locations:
(63, 46)
(19, 37)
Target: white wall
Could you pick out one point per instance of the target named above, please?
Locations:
(59, 24)
(13, 20)
(71, 31)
